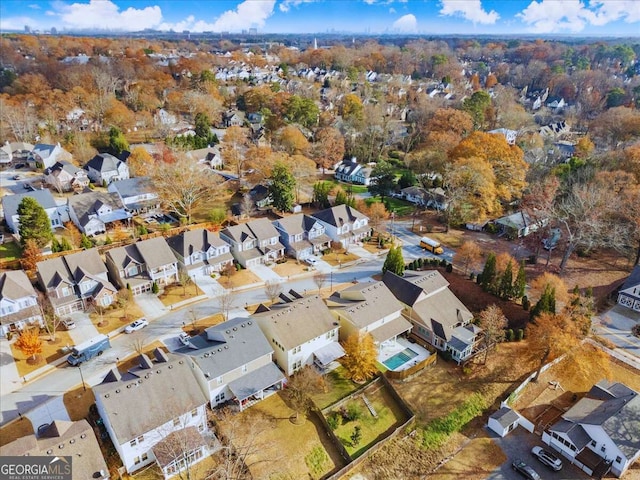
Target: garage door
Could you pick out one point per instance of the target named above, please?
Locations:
(141, 289)
(68, 309)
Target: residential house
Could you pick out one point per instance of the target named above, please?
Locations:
(20, 151)
(94, 212)
(254, 242)
(437, 315)
(6, 155)
(349, 170)
(302, 235)
(65, 176)
(509, 135)
(209, 156)
(136, 194)
(75, 282)
(234, 361)
(153, 407)
(165, 118)
(302, 332)
(261, 196)
(629, 293)
(10, 203)
(344, 224)
(18, 302)
(437, 199)
(601, 432)
(232, 118)
(200, 252)
(45, 156)
(142, 264)
(64, 438)
(518, 224)
(414, 194)
(104, 168)
(554, 129)
(369, 308)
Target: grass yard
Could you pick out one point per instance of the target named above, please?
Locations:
(339, 258)
(20, 427)
(400, 207)
(388, 413)
(175, 293)
(348, 187)
(114, 319)
(451, 239)
(239, 279)
(77, 402)
(278, 447)
(476, 461)
(194, 328)
(51, 351)
(291, 267)
(10, 251)
(339, 387)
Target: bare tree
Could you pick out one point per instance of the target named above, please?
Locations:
(225, 302)
(125, 297)
(248, 206)
(272, 289)
(493, 324)
(184, 279)
(320, 279)
(49, 317)
(301, 385)
(137, 345)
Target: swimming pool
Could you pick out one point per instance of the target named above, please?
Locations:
(400, 358)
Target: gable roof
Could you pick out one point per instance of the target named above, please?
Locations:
(414, 286)
(155, 252)
(199, 240)
(86, 204)
(132, 187)
(365, 303)
(53, 272)
(62, 166)
(149, 396)
(86, 263)
(227, 346)
(633, 280)
(260, 229)
(297, 224)
(442, 313)
(77, 440)
(339, 215)
(10, 203)
(14, 284)
(123, 256)
(297, 322)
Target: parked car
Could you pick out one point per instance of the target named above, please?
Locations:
(69, 324)
(546, 457)
(137, 325)
(20, 165)
(525, 470)
(184, 338)
(311, 260)
(17, 177)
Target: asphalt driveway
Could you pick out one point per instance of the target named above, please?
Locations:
(518, 444)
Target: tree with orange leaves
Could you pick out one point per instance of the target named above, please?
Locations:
(29, 342)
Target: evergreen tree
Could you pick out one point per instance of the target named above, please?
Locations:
(282, 187)
(520, 285)
(383, 180)
(394, 261)
(55, 245)
(506, 283)
(117, 141)
(34, 222)
(65, 245)
(488, 275)
(321, 194)
(547, 302)
(85, 242)
(341, 198)
(408, 179)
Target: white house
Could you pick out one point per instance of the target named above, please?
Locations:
(64, 176)
(200, 252)
(302, 235)
(601, 432)
(344, 224)
(629, 294)
(18, 302)
(137, 194)
(104, 168)
(349, 170)
(210, 156)
(153, 407)
(10, 203)
(94, 212)
(503, 421)
(509, 135)
(302, 332)
(46, 156)
(234, 361)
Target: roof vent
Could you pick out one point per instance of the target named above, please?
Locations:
(226, 347)
(170, 366)
(235, 329)
(219, 349)
(129, 386)
(227, 331)
(180, 362)
(72, 441)
(61, 446)
(106, 395)
(249, 322)
(83, 435)
(158, 371)
(117, 390)
(49, 452)
(242, 325)
(146, 376)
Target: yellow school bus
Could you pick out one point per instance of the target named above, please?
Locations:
(431, 245)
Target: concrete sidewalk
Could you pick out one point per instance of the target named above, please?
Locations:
(10, 380)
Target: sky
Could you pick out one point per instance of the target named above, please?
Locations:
(429, 17)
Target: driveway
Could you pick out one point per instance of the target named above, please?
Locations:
(84, 330)
(615, 325)
(266, 274)
(151, 305)
(209, 286)
(518, 444)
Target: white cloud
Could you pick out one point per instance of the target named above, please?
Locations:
(34, 6)
(406, 24)
(105, 14)
(392, 10)
(573, 16)
(469, 10)
(250, 13)
(18, 23)
(286, 5)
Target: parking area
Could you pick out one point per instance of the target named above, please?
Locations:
(518, 444)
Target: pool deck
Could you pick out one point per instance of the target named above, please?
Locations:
(400, 344)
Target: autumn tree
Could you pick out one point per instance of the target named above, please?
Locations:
(493, 324)
(125, 297)
(301, 386)
(140, 162)
(248, 206)
(233, 148)
(49, 316)
(272, 289)
(29, 343)
(360, 359)
(321, 192)
(34, 222)
(376, 211)
(182, 186)
(328, 148)
(468, 255)
(352, 109)
(184, 279)
(292, 140)
(31, 255)
(282, 187)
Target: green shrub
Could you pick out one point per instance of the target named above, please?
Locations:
(333, 420)
(519, 334)
(354, 412)
(472, 276)
(356, 436)
(154, 288)
(510, 335)
(437, 431)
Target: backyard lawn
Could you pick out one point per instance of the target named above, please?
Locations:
(476, 461)
(339, 387)
(51, 351)
(176, 293)
(354, 413)
(401, 208)
(10, 251)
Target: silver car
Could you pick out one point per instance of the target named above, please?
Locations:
(547, 458)
(137, 325)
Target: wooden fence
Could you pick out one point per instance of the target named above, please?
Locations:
(403, 374)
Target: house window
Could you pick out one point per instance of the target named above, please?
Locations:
(219, 380)
(176, 422)
(136, 460)
(66, 291)
(132, 271)
(618, 459)
(603, 448)
(220, 397)
(145, 457)
(133, 442)
(141, 439)
(593, 443)
(194, 412)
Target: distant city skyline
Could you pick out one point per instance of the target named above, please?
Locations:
(616, 18)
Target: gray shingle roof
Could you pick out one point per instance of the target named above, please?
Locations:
(505, 416)
(227, 346)
(86, 204)
(10, 202)
(253, 382)
(146, 398)
(103, 162)
(365, 303)
(339, 215)
(441, 313)
(132, 187)
(194, 241)
(15, 284)
(298, 322)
